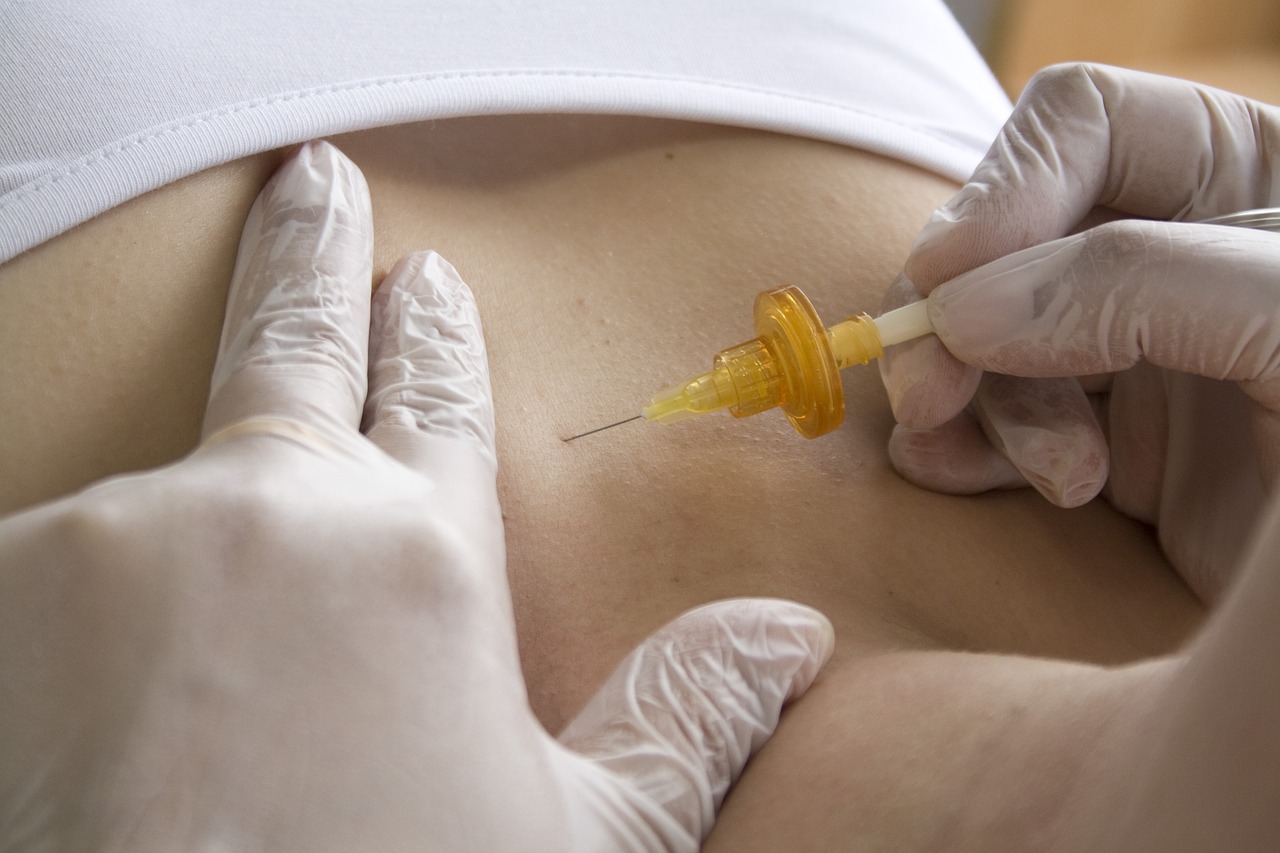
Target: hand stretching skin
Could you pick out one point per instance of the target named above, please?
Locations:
(1176, 325)
(300, 637)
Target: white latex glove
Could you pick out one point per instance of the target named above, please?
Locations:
(300, 637)
(1160, 308)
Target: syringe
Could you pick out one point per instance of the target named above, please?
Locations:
(793, 363)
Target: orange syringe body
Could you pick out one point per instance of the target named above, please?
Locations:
(794, 364)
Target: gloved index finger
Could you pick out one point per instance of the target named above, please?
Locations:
(295, 339)
(1083, 136)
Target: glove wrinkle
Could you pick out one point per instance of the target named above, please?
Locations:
(680, 717)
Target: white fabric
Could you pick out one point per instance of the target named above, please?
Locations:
(100, 102)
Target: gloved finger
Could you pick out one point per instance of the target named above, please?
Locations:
(1017, 432)
(1082, 136)
(955, 458)
(927, 385)
(1047, 430)
(295, 339)
(1192, 298)
(429, 374)
(677, 721)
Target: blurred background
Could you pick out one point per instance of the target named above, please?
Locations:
(1232, 44)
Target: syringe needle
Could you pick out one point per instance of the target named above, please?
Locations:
(601, 429)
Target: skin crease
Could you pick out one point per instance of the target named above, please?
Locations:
(984, 643)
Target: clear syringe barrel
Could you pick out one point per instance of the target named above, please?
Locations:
(794, 364)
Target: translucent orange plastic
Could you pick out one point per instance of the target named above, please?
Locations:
(793, 363)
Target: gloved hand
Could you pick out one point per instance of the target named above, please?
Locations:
(300, 637)
(1149, 310)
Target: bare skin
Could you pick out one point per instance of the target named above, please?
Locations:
(983, 643)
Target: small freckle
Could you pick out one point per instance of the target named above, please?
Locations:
(670, 156)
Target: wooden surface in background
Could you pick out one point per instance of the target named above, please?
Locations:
(1234, 44)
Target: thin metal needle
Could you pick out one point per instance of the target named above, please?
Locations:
(601, 429)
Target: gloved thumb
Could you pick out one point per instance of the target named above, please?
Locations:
(677, 721)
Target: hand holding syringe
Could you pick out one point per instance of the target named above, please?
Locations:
(795, 362)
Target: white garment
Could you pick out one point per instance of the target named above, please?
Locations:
(103, 101)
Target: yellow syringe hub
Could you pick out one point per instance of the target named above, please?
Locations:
(793, 363)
